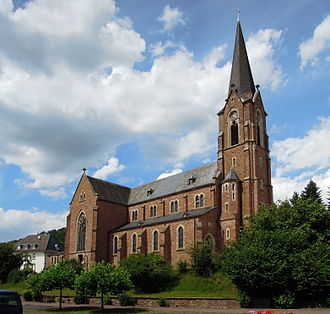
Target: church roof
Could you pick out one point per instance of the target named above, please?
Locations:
(165, 219)
(231, 176)
(38, 243)
(241, 80)
(184, 181)
(108, 191)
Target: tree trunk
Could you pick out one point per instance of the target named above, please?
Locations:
(102, 305)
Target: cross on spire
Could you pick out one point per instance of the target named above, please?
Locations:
(238, 13)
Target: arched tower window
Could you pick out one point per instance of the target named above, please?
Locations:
(155, 242)
(180, 237)
(259, 129)
(81, 232)
(233, 131)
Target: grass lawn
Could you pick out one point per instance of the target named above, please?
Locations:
(188, 286)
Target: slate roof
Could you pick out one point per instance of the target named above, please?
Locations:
(241, 75)
(165, 219)
(108, 191)
(231, 176)
(38, 243)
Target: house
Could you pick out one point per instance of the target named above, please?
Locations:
(39, 251)
(209, 203)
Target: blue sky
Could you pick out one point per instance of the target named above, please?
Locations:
(130, 90)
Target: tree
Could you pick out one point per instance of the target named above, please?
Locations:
(312, 191)
(202, 259)
(9, 260)
(148, 272)
(328, 198)
(284, 252)
(295, 197)
(102, 278)
(59, 276)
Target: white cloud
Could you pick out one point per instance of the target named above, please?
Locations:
(169, 173)
(16, 224)
(159, 48)
(112, 166)
(60, 111)
(55, 193)
(261, 50)
(216, 55)
(312, 150)
(84, 35)
(171, 17)
(299, 160)
(310, 49)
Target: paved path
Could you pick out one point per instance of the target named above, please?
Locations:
(41, 306)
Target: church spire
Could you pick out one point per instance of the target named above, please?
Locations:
(241, 79)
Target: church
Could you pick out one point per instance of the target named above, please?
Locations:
(209, 203)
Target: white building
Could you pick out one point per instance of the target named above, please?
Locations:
(39, 251)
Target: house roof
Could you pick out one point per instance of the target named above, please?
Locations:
(165, 219)
(38, 243)
(183, 181)
(241, 80)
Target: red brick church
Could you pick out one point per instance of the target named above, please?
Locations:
(210, 203)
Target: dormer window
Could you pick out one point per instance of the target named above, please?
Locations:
(56, 247)
(191, 180)
(150, 191)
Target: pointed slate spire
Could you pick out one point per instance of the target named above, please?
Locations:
(241, 79)
(231, 176)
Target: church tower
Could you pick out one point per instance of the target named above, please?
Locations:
(243, 152)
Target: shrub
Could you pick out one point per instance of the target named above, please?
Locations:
(27, 295)
(125, 299)
(15, 276)
(79, 299)
(149, 272)
(285, 300)
(202, 260)
(107, 300)
(37, 296)
(162, 302)
(244, 299)
(183, 267)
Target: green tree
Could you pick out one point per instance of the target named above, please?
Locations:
(202, 259)
(102, 278)
(148, 272)
(59, 276)
(284, 252)
(295, 197)
(9, 260)
(312, 191)
(328, 198)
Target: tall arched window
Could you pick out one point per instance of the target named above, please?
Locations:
(115, 245)
(155, 242)
(134, 243)
(233, 122)
(180, 237)
(259, 129)
(81, 232)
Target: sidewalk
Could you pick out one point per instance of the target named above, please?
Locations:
(40, 306)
